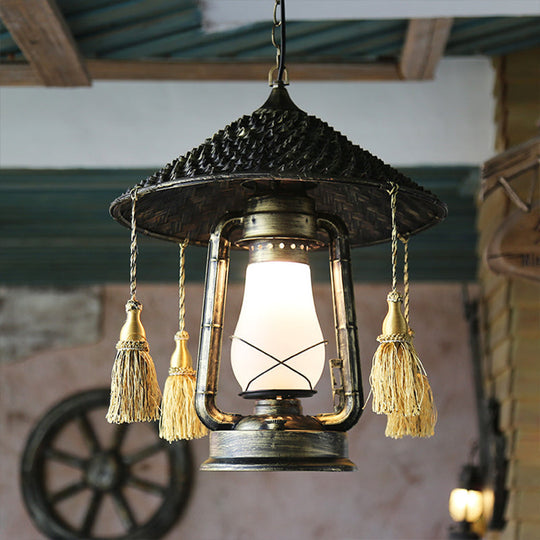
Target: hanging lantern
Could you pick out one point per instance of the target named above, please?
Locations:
(280, 184)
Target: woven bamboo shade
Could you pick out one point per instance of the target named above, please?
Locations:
(278, 144)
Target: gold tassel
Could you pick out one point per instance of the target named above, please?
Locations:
(135, 394)
(423, 425)
(394, 382)
(178, 417)
(399, 383)
(399, 422)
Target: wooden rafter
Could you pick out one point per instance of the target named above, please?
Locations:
(54, 60)
(424, 46)
(12, 74)
(43, 36)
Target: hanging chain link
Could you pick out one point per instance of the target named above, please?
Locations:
(278, 23)
(133, 249)
(275, 26)
(181, 287)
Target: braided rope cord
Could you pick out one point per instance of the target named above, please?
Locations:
(405, 241)
(133, 249)
(181, 287)
(393, 205)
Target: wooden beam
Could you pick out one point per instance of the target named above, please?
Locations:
(43, 36)
(12, 74)
(236, 71)
(18, 74)
(424, 46)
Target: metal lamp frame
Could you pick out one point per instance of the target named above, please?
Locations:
(306, 446)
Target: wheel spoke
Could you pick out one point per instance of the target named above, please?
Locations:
(147, 485)
(144, 453)
(91, 513)
(119, 435)
(68, 491)
(124, 510)
(88, 433)
(65, 457)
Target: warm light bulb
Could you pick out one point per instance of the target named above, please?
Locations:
(277, 322)
(465, 505)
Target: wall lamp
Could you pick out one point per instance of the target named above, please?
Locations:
(479, 501)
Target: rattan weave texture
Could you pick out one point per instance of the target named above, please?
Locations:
(278, 145)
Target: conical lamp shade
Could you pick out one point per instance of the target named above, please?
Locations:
(278, 142)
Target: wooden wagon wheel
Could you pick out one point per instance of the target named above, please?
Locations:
(85, 479)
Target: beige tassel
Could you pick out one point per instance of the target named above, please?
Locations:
(179, 419)
(422, 425)
(400, 424)
(394, 382)
(135, 394)
(398, 380)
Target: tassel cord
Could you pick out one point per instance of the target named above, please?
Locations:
(133, 249)
(393, 207)
(405, 241)
(181, 286)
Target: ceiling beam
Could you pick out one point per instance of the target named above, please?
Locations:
(423, 48)
(21, 74)
(43, 36)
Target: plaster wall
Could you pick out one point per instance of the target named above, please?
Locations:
(138, 124)
(400, 491)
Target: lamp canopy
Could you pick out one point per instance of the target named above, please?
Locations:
(278, 148)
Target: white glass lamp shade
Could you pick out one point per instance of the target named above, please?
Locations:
(465, 505)
(277, 322)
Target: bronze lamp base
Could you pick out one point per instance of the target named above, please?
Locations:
(278, 437)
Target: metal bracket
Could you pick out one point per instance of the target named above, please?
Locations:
(336, 375)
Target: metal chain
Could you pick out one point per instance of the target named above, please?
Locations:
(393, 206)
(133, 249)
(282, 75)
(275, 26)
(181, 287)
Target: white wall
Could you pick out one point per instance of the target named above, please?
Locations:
(138, 124)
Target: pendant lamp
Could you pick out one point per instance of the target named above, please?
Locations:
(280, 184)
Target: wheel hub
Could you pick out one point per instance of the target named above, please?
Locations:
(104, 471)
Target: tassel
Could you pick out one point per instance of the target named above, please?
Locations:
(394, 382)
(422, 425)
(178, 417)
(398, 380)
(400, 424)
(135, 394)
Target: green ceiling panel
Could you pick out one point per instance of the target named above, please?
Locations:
(55, 229)
(160, 29)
